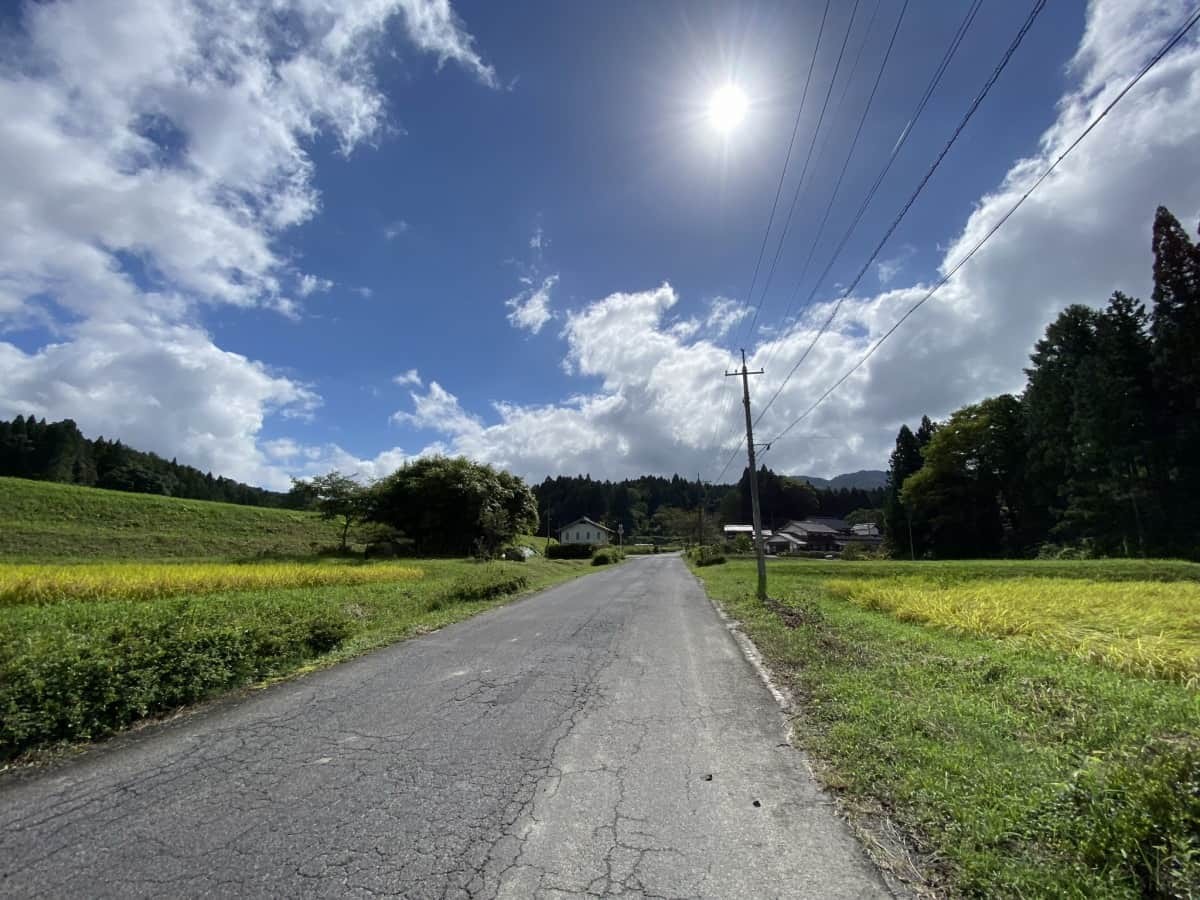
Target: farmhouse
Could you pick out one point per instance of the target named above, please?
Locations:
(585, 531)
(811, 534)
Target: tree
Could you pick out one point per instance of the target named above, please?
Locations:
(337, 497)
(904, 462)
(1049, 404)
(965, 499)
(1109, 497)
(1175, 332)
(453, 506)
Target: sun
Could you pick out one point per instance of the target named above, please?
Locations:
(727, 108)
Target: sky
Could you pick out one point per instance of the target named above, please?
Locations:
(274, 239)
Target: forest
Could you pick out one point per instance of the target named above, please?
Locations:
(58, 451)
(1098, 456)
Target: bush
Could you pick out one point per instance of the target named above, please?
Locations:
(602, 558)
(861, 551)
(516, 554)
(706, 556)
(486, 584)
(85, 672)
(569, 551)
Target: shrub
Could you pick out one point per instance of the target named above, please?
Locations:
(602, 558)
(84, 671)
(514, 554)
(706, 556)
(486, 584)
(569, 551)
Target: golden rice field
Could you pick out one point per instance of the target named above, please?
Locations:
(48, 584)
(1141, 627)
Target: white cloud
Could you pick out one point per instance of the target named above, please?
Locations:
(311, 284)
(535, 242)
(530, 309)
(663, 404)
(165, 388)
(887, 269)
(409, 377)
(151, 156)
(723, 314)
(433, 26)
(395, 229)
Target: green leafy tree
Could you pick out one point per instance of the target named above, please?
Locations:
(337, 497)
(966, 497)
(452, 506)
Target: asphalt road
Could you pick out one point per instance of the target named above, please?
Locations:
(606, 737)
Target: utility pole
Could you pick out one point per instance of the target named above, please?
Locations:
(758, 538)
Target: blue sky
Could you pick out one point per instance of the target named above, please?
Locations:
(344, 235)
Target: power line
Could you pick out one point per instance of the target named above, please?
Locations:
(992, 79)
(778, 193)
(1154, 60)
(846, 164)
(909, 128)
(804, 170)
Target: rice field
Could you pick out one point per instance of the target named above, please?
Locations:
(142, 581)
(1148, 628)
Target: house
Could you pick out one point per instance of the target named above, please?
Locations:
(585, 531)
(815, 535)
(866, 529)
(783, 543)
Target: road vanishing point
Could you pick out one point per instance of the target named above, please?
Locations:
(606, 737)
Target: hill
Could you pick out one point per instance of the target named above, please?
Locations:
(47, 520)
(863, 480)
(58, 451)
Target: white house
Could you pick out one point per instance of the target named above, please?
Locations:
(585, 531)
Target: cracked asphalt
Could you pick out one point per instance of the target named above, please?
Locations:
(604, 738)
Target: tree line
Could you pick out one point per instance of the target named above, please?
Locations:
(58, 451)
(1099, 455)
(676, 507)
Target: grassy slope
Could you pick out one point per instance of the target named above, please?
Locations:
(1017, 771)
(41, 520)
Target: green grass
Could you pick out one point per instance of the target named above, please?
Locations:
(41, 521)
(115, 606)
(1014, 769)
(75, 670)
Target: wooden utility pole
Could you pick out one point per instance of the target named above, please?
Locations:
(757, 513)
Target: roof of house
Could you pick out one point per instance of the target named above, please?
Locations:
(745, 529)
(808, 526)
(833, 522)
(868, 528)
(783, 537)
(585, 520)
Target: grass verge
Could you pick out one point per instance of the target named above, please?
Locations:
(1012, 768)
(77, 670)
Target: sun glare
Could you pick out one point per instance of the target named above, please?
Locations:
(727, 108)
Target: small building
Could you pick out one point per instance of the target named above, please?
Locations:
(866, 529)
(585, 531)
(783, 543)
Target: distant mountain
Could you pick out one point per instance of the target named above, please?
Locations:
(865, 479)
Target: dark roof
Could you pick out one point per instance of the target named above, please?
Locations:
(808, 526)
(584, 519)
(834, 523)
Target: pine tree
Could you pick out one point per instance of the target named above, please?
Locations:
(1175, 331)
(905, 461)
